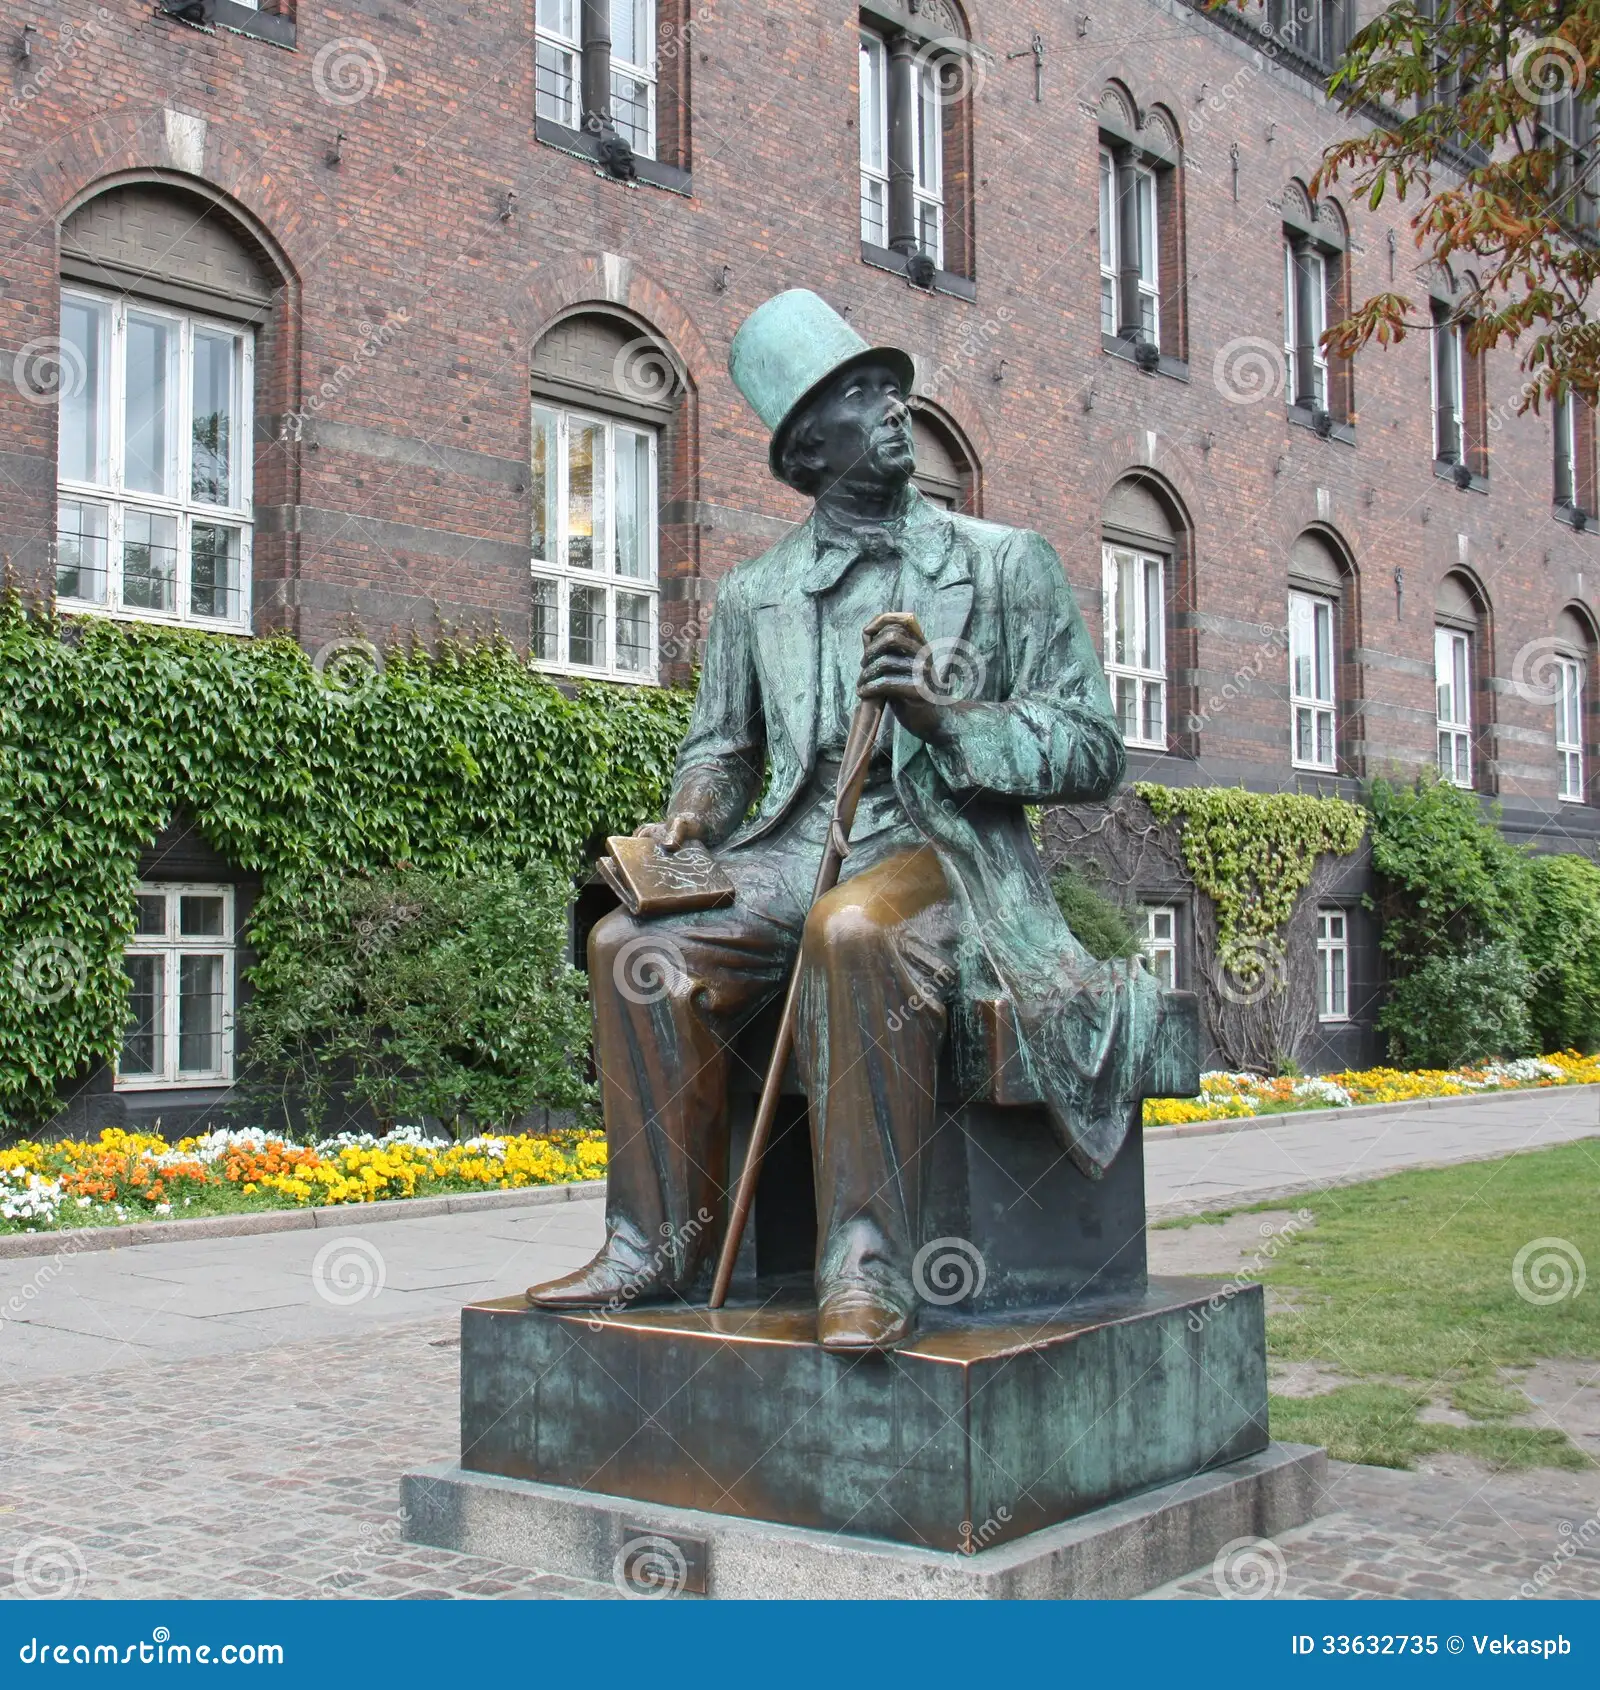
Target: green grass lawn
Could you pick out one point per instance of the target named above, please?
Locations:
(1405, 1286)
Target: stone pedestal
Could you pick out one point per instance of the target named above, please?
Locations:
(976, 1431)
(644, 1549)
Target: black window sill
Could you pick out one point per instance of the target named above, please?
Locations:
(1302, 416)
(212, 15)
(1446, 471)
(886, 258)
(1575, 517)
(581, 144)
(1117, 347)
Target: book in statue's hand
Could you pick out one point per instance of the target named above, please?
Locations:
(651, 880)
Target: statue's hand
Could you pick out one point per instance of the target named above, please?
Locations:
(673, 833)
(897, 667)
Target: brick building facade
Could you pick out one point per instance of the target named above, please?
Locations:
(317, 314)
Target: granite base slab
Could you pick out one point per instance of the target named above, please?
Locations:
(994, 1428)
(644, 1549)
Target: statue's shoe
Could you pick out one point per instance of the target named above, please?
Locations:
(605, 1282)
(854, 1319)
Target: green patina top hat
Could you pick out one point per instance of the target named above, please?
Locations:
(789, 347)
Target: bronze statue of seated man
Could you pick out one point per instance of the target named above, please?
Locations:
(996, 700)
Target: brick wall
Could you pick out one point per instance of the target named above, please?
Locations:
(396, 493)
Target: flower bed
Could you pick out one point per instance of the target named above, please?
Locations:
(123, 1177)
(1225, 1096)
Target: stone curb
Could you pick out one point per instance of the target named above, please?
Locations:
(1256, 1123)
(72, 1241)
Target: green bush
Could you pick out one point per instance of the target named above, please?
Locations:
(1447, 879)
(1563, 952)
(425, 994)
(462, 762)
(1100, 926)
(1455, 1008)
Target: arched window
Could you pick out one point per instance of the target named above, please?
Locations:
(1322, 640)
(1143, 553)
(1316, 294)
(605, 398)
(1462, 665)
(1142, 286)
(162, 294)
(1574, 687)
(945, 470)
(915, 117)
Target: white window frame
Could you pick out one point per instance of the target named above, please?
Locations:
(1569, 729)
(172, 946)
(1108, 242)
(1452, 674)
(642, 140)
(1319, 322)
(1147, 219)
(558, 570)
(873, 61)
(181, 507)
(1564, 422)
(551, 40)
(1455, 335)
(927, 106)
(1313, 680)
(1158, 940)
(1333, 964)
(1148, 638)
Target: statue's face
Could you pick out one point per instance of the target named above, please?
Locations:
(863, 428)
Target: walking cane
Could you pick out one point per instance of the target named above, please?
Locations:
(863, 736)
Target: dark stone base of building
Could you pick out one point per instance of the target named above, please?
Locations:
(971, 1434)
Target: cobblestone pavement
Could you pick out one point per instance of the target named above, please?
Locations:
(275, 1473)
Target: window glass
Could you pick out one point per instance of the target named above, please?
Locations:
(147, 396)
(199, 1014)
(85, 326)
(1569, 728)
(1333, 966)
(1451, 670)
(210, 477)
(179, 962)
(1136, 644)
(1108, 243)
(594, 599)
(1159, 942)
(156, 541)
(874, 123)
(142, 1047)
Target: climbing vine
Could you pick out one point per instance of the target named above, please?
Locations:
(457, 761)
(1252, 853)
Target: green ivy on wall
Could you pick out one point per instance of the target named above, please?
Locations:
(462, 760)
(1252, 853)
